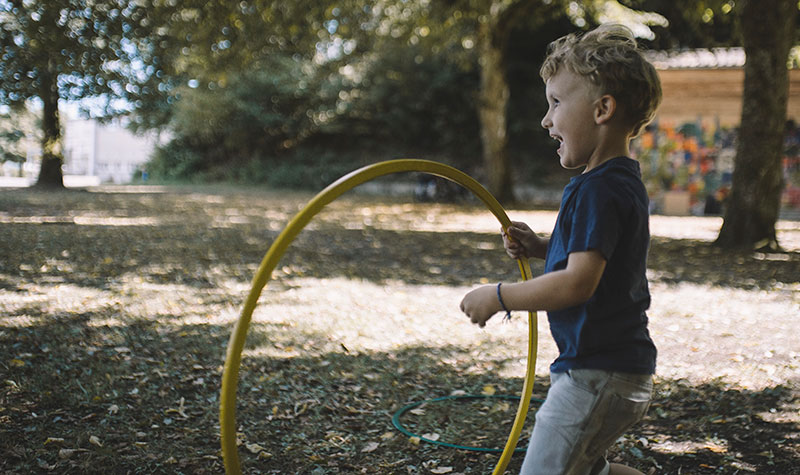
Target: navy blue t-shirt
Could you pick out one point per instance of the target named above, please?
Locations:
(605, 209)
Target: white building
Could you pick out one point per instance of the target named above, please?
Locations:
(109, 151)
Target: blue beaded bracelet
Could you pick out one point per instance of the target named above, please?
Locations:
(502, 304)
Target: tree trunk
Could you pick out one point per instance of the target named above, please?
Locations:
(493, 109)
(749, 223)
(50, 175)
(494, 94)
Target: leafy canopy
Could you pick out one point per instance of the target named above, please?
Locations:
(77, 49)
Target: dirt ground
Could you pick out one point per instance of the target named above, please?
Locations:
(116, 305)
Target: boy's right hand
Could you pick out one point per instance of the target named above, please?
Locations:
(520, 241)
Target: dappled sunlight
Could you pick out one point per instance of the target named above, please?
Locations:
(703, 333)
(719, 446)
(446, 218)
(364, 316)
(130, 300)
(739, 336)
(22, 321)
(131, 189)
(130, 320)
(82, 220)
(272, 211)
(50, 299)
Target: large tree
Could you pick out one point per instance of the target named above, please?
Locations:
(495, 27)
(55, 50)
(768, 30)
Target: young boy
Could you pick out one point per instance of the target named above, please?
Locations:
(601, 92)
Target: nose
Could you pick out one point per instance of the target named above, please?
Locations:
(546, 121)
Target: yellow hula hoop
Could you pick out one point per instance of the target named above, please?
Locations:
(233, 358)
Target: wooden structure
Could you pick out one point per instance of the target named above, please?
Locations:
(712, 94)
(708, 85)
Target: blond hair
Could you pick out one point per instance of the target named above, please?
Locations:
(610, 58)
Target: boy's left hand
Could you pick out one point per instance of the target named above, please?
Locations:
(480, 304)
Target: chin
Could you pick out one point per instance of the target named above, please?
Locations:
(570, 166)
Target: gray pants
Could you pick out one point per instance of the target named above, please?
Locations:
(585, 412)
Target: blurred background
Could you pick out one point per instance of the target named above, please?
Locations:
(295, 94)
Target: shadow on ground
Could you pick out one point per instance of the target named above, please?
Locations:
(85, 398)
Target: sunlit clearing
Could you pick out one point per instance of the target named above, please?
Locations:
(351, 316)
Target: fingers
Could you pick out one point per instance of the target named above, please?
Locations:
(516, 252)
(477, 321)
(518, 230)
(511, 241)
(470, 310)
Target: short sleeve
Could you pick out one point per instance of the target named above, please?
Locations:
(595, 219)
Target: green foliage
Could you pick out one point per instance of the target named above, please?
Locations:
(403, 84)
(256, 115)
(304, 169)
(175, 161)
(76, 49)
(693, 23)
(263, 110)
(10, 138)
(415, 104)
(17, 130)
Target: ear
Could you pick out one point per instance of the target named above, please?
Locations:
(604, 109)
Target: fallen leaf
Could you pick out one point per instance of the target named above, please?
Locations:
(387, 435)
(17, 363)
(94, 440)
(371, 446)
(67, 453)
(113, 409)
(716, 448)
(253, 448)
(442, 470)
(181, 410)
(501, 407)
(432, 436)
(414, 440)
(488, 390)
(53, 440)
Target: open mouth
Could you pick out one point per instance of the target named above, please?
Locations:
(560, 141)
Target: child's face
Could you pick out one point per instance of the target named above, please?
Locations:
(570, 117)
